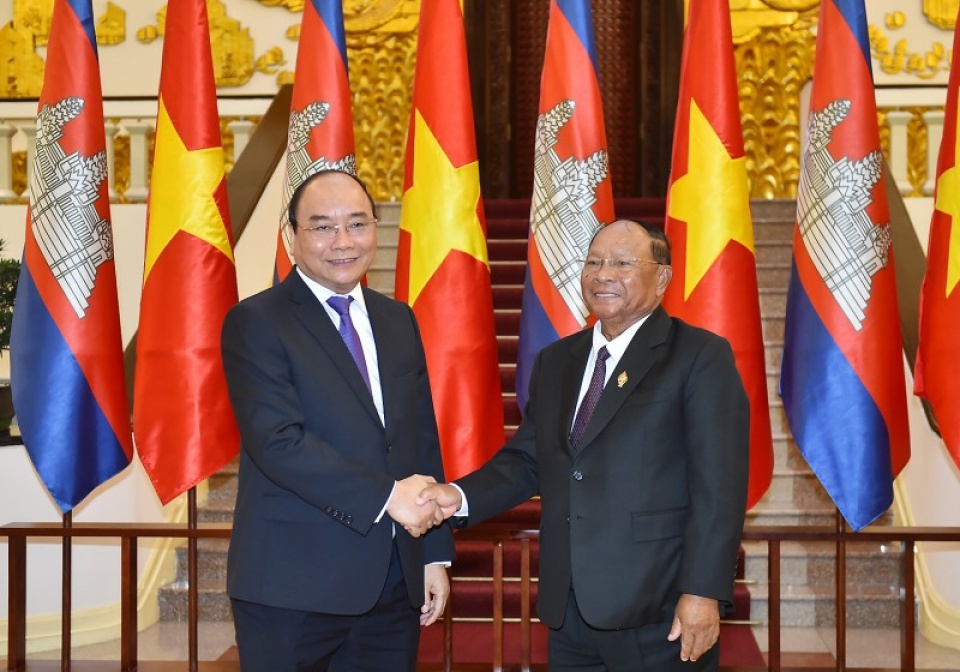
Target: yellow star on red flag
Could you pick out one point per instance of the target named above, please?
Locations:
(182, 194)
(427, 218)
(711, 222)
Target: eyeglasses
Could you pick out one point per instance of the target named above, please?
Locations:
(354, 228)
(593, 265)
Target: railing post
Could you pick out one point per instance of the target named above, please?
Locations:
(448, 634)
(525, 647)
(498, 606)
(128, 603)
(7, 194)
(840, 604)
(907, 607)
(773, 605)
(17, 603)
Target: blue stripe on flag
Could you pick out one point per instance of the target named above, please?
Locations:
(581, 20)
(536, 332)
(855, 14)
(70, 442)
(331, 13)
(84, 12)
(838, 426)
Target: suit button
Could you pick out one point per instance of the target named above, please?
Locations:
(349, 520)
(568, 520)
(389, 447)
(578, 475)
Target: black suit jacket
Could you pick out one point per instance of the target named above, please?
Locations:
(316, 463)
(652, 505)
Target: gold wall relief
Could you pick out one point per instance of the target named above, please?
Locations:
(772, 68)
(231, 44)
(21, 69)
(34, 17)
(941, 13)
(112, 26)
(895, 56)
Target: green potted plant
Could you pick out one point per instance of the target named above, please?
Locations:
(9, 276)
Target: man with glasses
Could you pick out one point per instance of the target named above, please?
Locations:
(327, 567)
(636, 437)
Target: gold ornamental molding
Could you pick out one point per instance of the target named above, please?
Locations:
(772, 68)
(941, 13)
(896, 56)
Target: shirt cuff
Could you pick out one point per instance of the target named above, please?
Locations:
(386, 504)
(464, 509)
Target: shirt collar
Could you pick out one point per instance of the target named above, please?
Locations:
(323, 293)
(619, 344)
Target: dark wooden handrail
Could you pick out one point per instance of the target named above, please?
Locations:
(17, 535)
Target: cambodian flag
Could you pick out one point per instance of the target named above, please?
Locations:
(66, 354)
(321, 119)
(572, 193)
(842, 376)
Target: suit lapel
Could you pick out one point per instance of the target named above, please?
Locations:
(631, 370)
(572, 378)
(315, 320)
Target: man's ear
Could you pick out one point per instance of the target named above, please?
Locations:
(664, 276)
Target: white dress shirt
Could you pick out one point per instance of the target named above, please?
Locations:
(361, 321)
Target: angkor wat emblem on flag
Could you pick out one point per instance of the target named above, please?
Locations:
(69, 231)
(561, 216)
(846, 246)
(300, 165)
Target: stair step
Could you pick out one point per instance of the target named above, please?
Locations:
(812, 563)
(803, 606)
(507, 249)
(781, 513)
(774, 251)
(507, 272)
(773, 275)
(507, 321)
(509, 227)
(508, 296)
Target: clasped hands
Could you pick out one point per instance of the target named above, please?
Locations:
(418, 503)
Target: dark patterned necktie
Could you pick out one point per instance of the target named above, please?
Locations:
(590, 399)
(349, 334)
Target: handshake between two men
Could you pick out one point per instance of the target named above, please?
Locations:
(419, 503)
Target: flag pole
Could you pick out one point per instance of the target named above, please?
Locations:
(66, 594)
(841, 599)
(194, 607)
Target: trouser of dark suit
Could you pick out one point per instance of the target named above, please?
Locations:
(270, 639)
(577, 646)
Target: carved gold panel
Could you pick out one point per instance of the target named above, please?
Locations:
(772, 68)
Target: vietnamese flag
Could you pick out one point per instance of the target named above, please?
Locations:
(708, 218)
(183, 423)
(938, 357)
(442, 267)
(321, 119)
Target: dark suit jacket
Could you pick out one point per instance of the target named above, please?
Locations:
(316, 464)
(653, 504)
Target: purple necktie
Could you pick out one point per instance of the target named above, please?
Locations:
(349, 334)
(590, 399)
